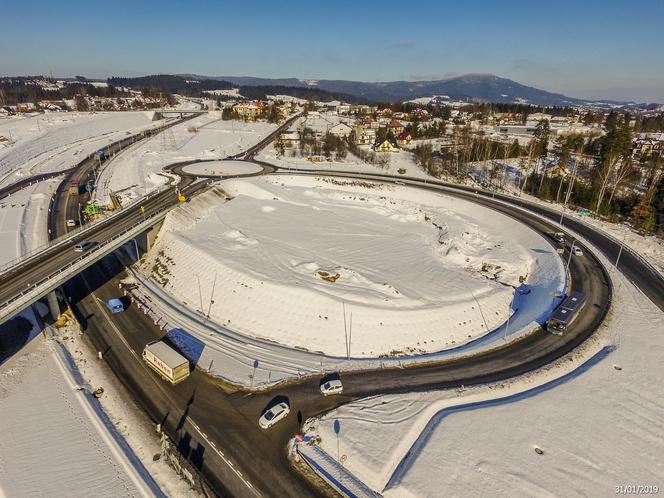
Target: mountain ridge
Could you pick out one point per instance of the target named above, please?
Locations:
(471, 87)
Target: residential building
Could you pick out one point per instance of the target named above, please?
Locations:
(365, 136)
(404, 138)
(290, 139)
(395, 127)
(249, 110)
(25, 107)
(643, 147)
(341, 130)
(386, 146)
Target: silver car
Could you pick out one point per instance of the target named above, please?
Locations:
(332, 386)
(273, 415)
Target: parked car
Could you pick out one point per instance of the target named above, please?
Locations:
(83, 246)
(332, 386)
(71, 223)
(577, 251)
(273, 415)
(116, 305)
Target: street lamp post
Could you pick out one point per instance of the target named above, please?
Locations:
(509, 314)
(622, 244)
(569, 258)
(567, 195)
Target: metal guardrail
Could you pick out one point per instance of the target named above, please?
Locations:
(72, 234)
(36, 290)
(147, 133)
(334, 473)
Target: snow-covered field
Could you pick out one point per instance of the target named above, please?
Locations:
(139, 169)
(283, 260)
(402, 160)
(23, 218)
(54, 439)
(598, 429)
(222, 168)
(56, 141)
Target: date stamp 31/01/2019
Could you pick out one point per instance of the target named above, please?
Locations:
(637, 489)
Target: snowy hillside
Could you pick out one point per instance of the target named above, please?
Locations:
(54, 440)
(419, 272)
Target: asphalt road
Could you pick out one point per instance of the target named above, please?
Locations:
(217, 430)
(230, 420)
(32, 271)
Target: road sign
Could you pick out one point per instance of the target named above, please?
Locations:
(560, 250)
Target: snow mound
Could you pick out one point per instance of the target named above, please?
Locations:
(302, 261)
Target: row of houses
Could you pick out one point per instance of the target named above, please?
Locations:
(647, 144)
(363, 135)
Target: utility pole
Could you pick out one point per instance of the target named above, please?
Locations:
(214, 283)
(350, 334)
(343, 305)
(509, 314)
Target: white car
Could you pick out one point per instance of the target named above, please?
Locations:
(577, 251)
(83, 246)
(273, 415)
(332, 386)
(71, 223)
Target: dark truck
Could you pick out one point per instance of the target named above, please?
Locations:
(566, 312)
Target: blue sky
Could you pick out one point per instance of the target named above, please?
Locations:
(602, 49)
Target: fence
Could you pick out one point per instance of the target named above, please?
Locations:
(335, 474)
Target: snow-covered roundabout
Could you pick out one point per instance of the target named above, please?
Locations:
(221, 168)
(348, 267)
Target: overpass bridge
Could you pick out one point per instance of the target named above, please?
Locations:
(158, 113)
(37, 274)
(34, 276)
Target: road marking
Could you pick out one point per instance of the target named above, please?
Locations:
(226, 460)
(188, 419)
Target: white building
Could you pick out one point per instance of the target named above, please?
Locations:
(341, 130)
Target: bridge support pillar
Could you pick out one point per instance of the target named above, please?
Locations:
(53, 304)
(152, 235)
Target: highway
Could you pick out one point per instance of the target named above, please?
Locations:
(229, 420)
(216, 427)
(31, 274)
